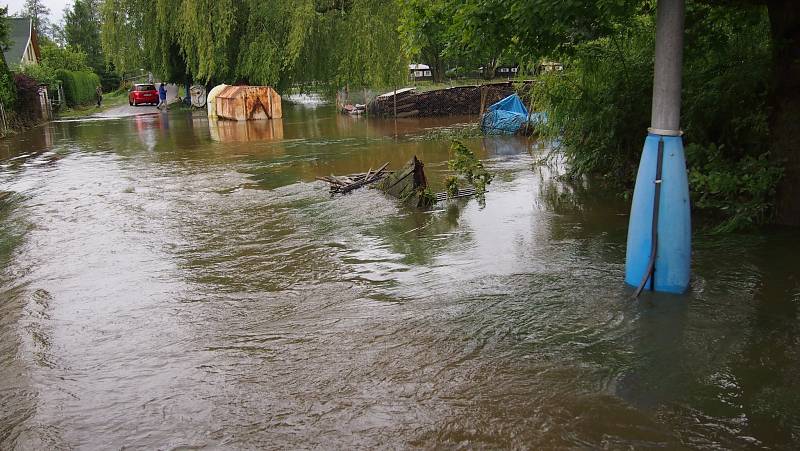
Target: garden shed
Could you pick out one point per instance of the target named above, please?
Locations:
(247, 103)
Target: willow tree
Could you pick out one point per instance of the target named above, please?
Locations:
(274, 42)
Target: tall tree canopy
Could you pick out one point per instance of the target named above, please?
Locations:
(3, 28)
(4, 42)
(39, 13)
(82, 30)
(424, 26)
(465, 34)
(271, 42)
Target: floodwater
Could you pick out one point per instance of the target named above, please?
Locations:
(165, 284)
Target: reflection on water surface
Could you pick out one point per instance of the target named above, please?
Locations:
(167, 283)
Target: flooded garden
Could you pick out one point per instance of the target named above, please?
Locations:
(167, 282)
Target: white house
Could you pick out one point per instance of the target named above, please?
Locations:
(24, 48)
(420, 72)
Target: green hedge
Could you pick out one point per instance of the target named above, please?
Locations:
(79, 87)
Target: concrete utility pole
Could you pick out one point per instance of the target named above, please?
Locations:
(659, 233)
(666, 115)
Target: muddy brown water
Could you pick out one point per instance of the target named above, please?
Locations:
(170, 285)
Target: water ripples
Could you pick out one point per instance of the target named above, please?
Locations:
(162, 297)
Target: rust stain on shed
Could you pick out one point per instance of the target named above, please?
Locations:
(247, 103)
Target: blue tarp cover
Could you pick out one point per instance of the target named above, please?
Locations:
(505, 117)
(512, 104)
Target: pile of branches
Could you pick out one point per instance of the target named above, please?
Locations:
(343, 184)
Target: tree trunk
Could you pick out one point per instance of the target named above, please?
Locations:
(438, 69)
(488, 69)
(785, 115)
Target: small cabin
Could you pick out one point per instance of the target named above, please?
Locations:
(550, 66)
(248, 103)
(24, 43)
(420, 72)
(506, 71)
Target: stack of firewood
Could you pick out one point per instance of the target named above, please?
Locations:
(384, 105)
(458, 100)
(343, 184)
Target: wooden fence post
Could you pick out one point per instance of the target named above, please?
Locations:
(483, 98)
(394, 99)
(3, 120)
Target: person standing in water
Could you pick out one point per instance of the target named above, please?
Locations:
(162, 96)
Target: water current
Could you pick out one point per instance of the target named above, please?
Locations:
(166, 283)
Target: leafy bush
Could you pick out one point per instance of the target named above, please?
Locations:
(124, 87)
(726, 77)
(742, 191)
(42, 73)
(109, 80)
(599, 109)
(8, 91)
(451, 186)
(66, 58)
(465, 163)
(456, 72)
(79, 87)
(27, 100)
(426, 198)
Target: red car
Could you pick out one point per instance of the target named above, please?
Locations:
(143, 93)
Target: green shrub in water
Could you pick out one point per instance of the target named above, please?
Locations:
(742, 191)
(599, 109)
(451, 186)
(426, 198)
(466, 164)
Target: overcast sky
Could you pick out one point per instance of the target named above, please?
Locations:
(56, 7)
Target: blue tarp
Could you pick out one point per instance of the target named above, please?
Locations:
(507, 116)
(512, 104)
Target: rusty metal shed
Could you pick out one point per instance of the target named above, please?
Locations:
(247, 103)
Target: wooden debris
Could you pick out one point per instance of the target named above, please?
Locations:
(354, 110)
(412, 113)
(345, 184)
(408, 184)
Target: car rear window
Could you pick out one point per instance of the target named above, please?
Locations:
(146, 88)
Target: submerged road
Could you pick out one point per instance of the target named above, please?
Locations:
(129, 110)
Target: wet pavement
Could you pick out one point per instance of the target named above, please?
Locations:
(131, 110)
